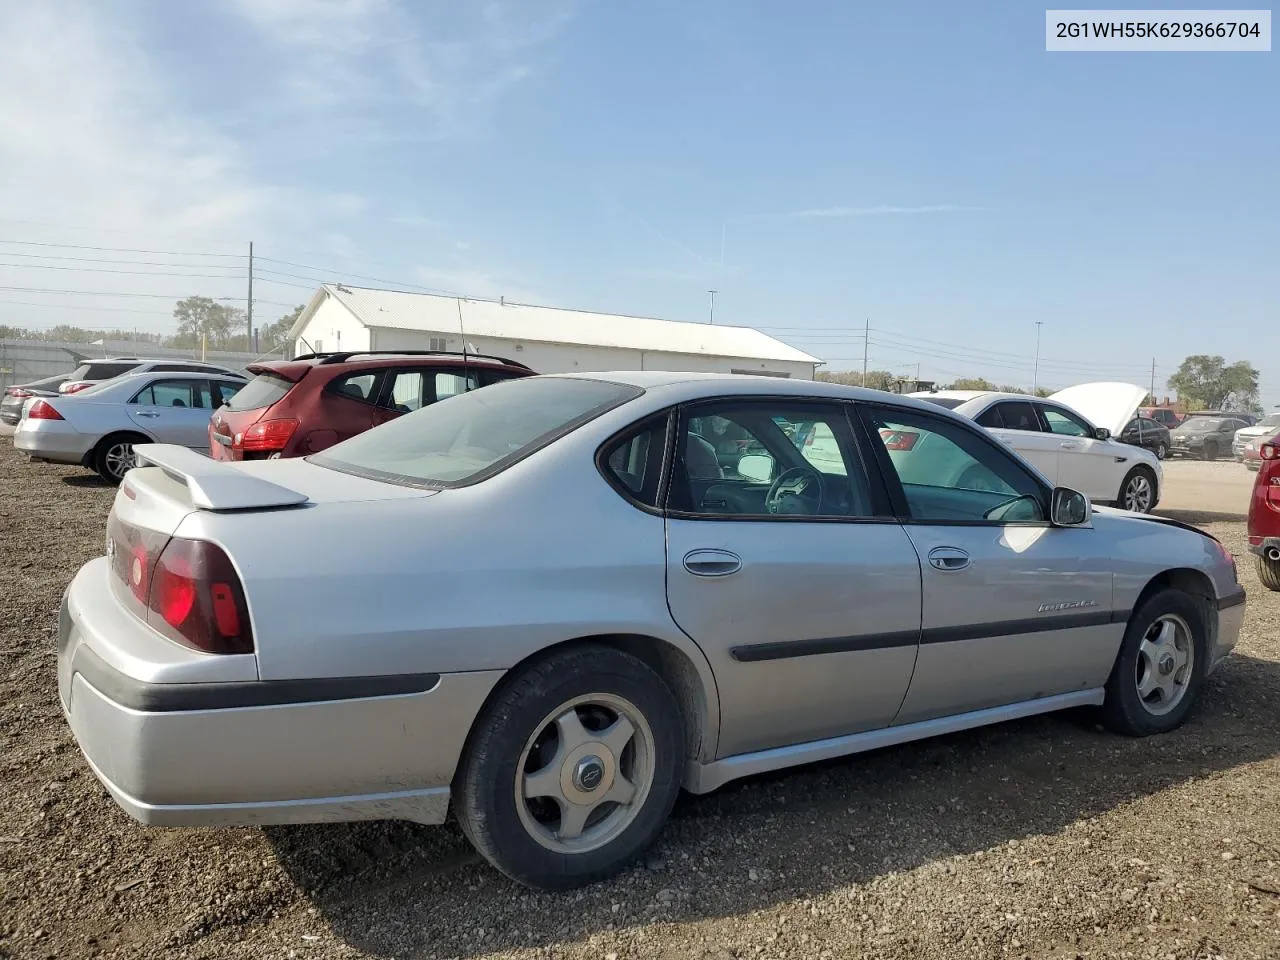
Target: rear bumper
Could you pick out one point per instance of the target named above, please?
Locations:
(248, 751)
(54, 440)
(1268, 543)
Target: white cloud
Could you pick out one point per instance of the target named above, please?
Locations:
(881, 211)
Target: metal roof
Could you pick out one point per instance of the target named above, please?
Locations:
(517, 321)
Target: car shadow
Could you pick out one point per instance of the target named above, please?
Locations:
(90, 480)
(396, 889)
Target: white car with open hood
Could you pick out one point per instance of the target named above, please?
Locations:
(1069, 437)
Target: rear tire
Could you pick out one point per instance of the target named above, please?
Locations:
(1269, 573)
(113, 456)
(571, 771)
(1138, 491)
(1210, 450)
(1160, 668)
(1161, 451)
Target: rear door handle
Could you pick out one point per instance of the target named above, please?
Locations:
(146, 413)
(712, 563)
(948, 558)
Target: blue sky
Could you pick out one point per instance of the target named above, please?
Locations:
(926, 165)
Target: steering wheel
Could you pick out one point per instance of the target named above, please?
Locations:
(796, 492)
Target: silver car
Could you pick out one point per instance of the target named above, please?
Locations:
(552, 603)
(98, 427)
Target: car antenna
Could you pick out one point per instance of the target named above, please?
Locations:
(466, 365)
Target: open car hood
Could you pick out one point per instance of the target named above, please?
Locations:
(1104, 404)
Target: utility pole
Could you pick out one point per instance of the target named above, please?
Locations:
(1153, 380)
(1035, 377)
(866, 336)
(713, 305)
(249, 309)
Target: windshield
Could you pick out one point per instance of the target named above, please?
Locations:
(1201, 425)
(949, 402)
(262, 391)
(475, 435)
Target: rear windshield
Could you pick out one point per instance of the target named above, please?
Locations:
(262, 391)
(1201, 425)
(475, 435)
(949, 402)
(100, 371)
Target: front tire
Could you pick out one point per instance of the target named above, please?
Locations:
(1269, 573)
(1160, 667)
(1161, 451)
(113, 457)
(1138, 491)
(1210, 450)
(572, 769)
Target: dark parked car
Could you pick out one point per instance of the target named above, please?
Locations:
(18, 394)
(292, 408)
(1205, 437)
(1144, 432)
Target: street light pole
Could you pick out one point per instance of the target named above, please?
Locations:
(713, 305)
(1035, 377)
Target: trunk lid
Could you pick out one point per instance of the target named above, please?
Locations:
(1104, 404)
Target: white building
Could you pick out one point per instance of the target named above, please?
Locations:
(547, 339)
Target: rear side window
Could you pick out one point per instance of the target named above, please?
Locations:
(356, 386)
(262, 391)
(476, 434)
(103, 371)
(1011, 415)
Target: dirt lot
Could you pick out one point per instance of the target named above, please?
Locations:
(1043, 838)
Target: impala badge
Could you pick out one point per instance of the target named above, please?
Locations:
(1066, 605)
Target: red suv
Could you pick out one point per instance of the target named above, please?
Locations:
(1264, 515)
(292, 408)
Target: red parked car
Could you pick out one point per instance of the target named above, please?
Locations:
(1264, 515)
(292, 408)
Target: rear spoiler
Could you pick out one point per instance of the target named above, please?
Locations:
(212, 484)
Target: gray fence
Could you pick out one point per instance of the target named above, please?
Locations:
(22, 361)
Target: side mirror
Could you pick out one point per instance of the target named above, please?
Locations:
(1069, 508)
(756, 466)
(1101, 433)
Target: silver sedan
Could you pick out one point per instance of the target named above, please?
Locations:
(553, 603)
(98, 427)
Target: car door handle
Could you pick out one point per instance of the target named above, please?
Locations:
(1069, 445)
(712, 563)
(948, 558)
(146, 413)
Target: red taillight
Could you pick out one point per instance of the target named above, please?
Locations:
(1269, 451)
(267, 435)
(197, 593)
(75, 387)
(41, 410)
(185, 589)
(18, 392)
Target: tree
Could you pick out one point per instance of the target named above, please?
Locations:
(875, 379)
(201, 319)
(1210, 383)
(972, 383)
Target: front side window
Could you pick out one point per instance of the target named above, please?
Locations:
(768, 459)
(190, 394)
(1065, 424)
(476, 434)
(949, 474)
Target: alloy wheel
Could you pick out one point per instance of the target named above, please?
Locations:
(585, 773)
(1166, 657)
(119, 459)
(1138, 494)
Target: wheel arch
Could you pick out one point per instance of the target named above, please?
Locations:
(92, 455)
(686, 672)
(1153, 474)
(1195, 583)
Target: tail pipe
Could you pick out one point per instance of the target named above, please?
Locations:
(1273, 554)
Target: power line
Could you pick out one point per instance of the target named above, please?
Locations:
(127, 233)
(139, 263)
(101, 293)
(157, 253)
(357, 276)
(135, 273)
(66, 306)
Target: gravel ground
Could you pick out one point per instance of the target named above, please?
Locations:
(1041, 838)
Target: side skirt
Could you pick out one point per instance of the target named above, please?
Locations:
(706, 777)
